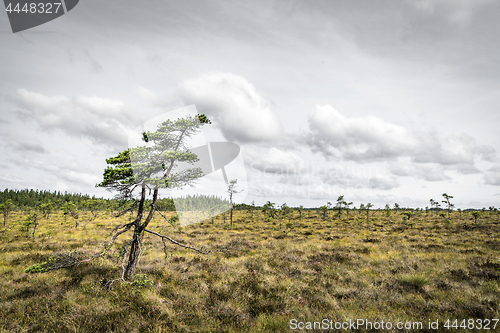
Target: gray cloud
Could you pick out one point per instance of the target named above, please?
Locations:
(95, 65)
(281, 190)
(357, 178)
(76, 56)
(383, 183)
(80, 178)
(344, 177)
(296, 180)
(276, 161)
(425, 172)
(492, 176)
(60, 167)
(34, 147)
(12, 180)
(451, 149)
(460, 35)
(411, 64)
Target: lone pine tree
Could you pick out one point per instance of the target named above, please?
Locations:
(449, 205)
(146, 169)
(232, 190)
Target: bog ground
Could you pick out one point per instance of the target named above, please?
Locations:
(303, 268)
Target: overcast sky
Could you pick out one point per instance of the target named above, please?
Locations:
(380, 101)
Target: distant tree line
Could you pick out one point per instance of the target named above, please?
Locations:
(196, 202)
(29, 199)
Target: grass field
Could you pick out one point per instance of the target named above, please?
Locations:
(305, 268)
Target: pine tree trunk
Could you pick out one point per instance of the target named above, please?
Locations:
(34, 229)
(135, 249)
(231, 216)
(133, 258)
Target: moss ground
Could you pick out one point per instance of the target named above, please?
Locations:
(308, 269)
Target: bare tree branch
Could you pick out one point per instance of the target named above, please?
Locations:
(124, 258)
(182, 245)
(165, 218)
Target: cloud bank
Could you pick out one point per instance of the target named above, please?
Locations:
(102, 120)
(372, 139)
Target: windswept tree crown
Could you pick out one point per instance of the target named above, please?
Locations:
(155, 162)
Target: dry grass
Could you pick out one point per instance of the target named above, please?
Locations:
(381, 269)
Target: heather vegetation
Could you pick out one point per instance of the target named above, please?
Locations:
(274, 264)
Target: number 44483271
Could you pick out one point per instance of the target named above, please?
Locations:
(32, 8)
(478, 324)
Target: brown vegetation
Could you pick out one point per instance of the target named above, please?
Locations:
(387, 269)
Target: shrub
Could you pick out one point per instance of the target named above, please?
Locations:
(36, 268)
(141, 281)
(417, 281)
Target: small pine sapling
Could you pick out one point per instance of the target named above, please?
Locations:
(476, 214)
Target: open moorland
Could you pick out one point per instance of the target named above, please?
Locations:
(303, 267)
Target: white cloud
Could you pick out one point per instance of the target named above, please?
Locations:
(241, 112)
(357, 138)
(369, 139)
(102, 120)
(451, 149)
